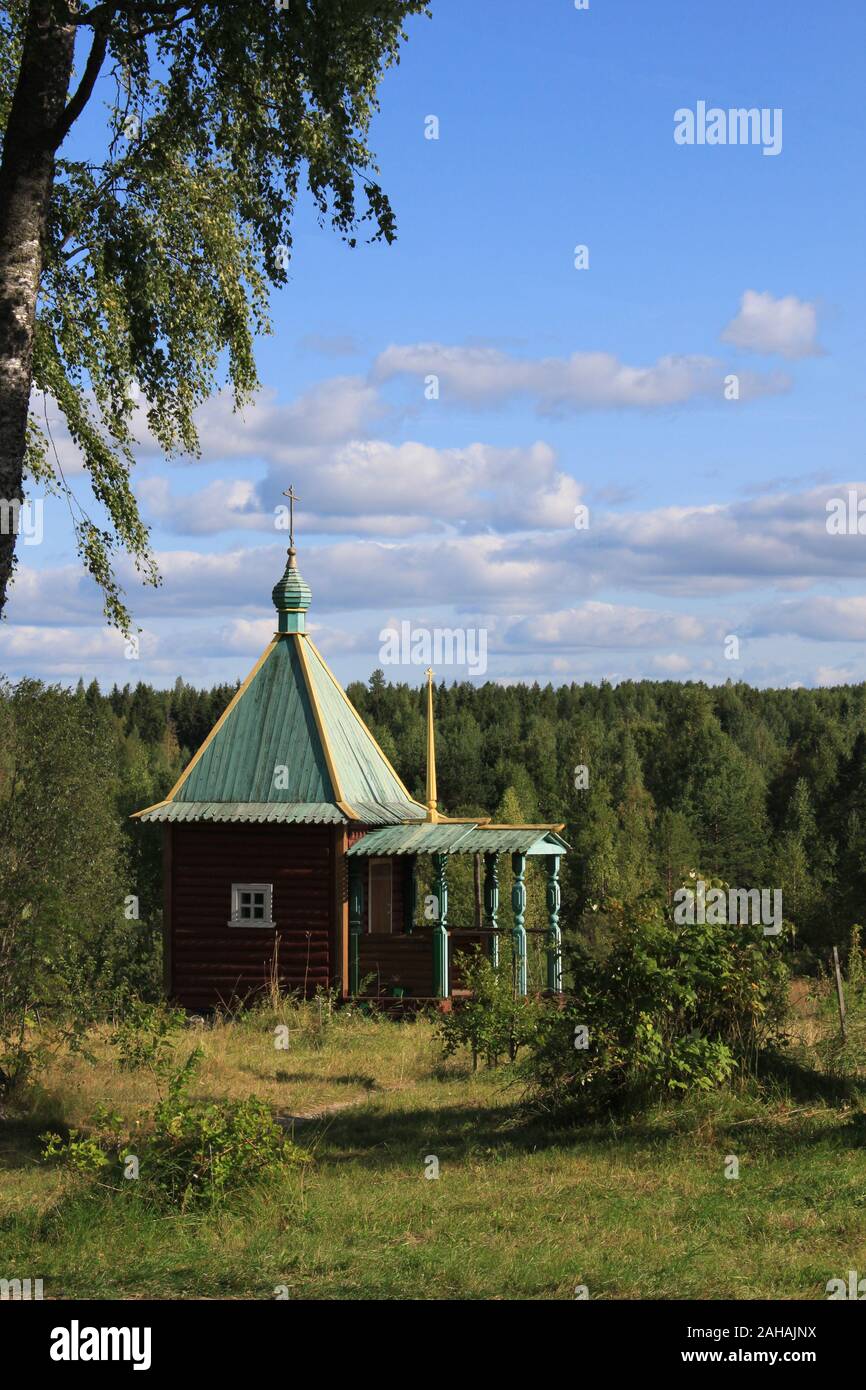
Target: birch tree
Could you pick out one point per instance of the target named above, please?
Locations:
(142, 274)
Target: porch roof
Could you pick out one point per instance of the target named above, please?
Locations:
(463, 838)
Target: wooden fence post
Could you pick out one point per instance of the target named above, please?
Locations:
(839, 994)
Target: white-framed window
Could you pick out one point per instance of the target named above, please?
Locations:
(252, 905)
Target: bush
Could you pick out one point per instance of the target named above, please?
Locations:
(143, 1035)
(184, 1153)
(194, 1154)
(494, 1021)
(669, 1009)
(202, 1152)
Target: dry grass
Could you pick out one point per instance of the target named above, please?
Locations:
(519, 1210)
(331, 1059)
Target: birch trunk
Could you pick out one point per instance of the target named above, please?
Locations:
(26, 178)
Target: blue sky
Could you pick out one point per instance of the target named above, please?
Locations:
(558, 387)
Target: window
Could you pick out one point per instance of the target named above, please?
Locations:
(252, 905)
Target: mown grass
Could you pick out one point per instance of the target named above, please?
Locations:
(521, 1209)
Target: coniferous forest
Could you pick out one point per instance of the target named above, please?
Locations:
(760, 788)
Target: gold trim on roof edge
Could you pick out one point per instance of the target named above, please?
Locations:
(238, 695)
(320, 726)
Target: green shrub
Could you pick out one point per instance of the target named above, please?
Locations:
(193, 1153)
(667, 1010)
(143, 1034)
(187, 1152)
(202, 1152)
(494, 1021)
(91, 1152)
(855, 958)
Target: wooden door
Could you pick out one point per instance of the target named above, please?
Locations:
(380, 896)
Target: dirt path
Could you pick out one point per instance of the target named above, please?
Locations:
(306, 1116)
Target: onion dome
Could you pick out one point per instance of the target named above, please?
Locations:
(291, 596)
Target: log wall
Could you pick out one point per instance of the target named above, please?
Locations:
(213, 963)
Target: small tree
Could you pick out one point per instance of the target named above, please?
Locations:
(63, 871)
(494, 1021)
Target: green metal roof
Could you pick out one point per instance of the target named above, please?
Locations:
(384, 813)
(362, 769)
(272, 726)
(467, 838)
(270, 812)
(411, 839)
(289, 748)
(513, 840)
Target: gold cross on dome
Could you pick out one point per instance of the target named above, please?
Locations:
(293, 498)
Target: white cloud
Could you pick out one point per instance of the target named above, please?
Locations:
(225, 504)
(837, 675)
(471, 554)
(66, 652)
(370, 487)
(787, 326)
(484, 376)
(715, 549)
(819, 618)
(671, 663)
(607, 625)
(245, 636)
(329, 413)
(41, 598)
(547, 595)
(332, 411)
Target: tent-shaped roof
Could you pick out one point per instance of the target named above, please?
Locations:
(290, 747)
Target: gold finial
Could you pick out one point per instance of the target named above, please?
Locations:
(432, 811)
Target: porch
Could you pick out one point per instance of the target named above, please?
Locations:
(387, 945)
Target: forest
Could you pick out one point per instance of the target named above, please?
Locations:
(652, 781)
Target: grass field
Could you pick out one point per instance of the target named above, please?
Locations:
(520, 1209)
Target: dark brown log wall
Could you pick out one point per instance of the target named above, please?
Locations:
(213, 963)
(396, 959)
(397, 896)
(393, 959)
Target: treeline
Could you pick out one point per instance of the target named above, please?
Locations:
(651, 780)
(763, 788)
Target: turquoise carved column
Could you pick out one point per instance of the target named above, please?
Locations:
(518, 932)
(440, 927)
(491, 904)
(554, 935)
(356, 921)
